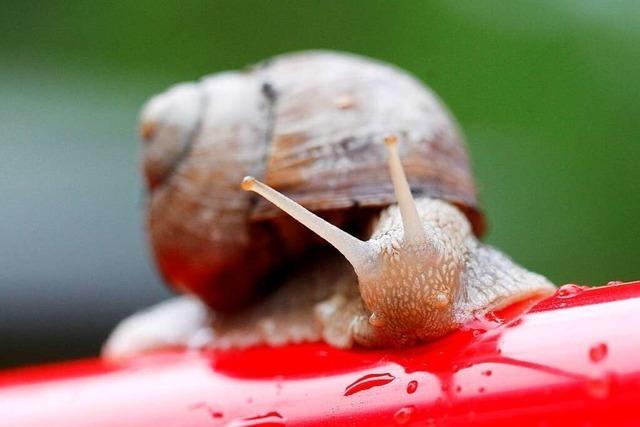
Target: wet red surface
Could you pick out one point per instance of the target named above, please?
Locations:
(573, 359)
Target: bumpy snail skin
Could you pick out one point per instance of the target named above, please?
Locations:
(180, 321)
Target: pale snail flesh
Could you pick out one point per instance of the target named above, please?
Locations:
(421, 273)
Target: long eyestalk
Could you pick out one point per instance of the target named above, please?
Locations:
(354, 250)
(413, 229)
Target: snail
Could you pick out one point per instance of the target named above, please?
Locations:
(347, 150)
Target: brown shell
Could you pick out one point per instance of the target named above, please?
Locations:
(311, 125)
(331, 113)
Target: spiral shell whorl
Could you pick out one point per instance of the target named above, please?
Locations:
(197, 218)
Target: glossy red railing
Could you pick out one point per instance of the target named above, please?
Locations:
(573, 359)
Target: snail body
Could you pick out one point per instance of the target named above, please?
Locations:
(311, 126)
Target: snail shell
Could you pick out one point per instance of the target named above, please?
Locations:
(311, 126)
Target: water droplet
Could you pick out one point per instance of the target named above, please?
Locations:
(412, 386)
(569, 291)
(212, 412)
(403, 415)
(494, 319)
(600, 387)
(515, 323)
(483, 322)
(269, 419)
(367, 382)
(487, 373)
(598, 352)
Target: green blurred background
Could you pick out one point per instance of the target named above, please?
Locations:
(547, 93)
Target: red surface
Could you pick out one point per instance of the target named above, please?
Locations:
(573, 359)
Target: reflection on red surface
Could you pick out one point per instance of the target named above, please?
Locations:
(573, 359)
